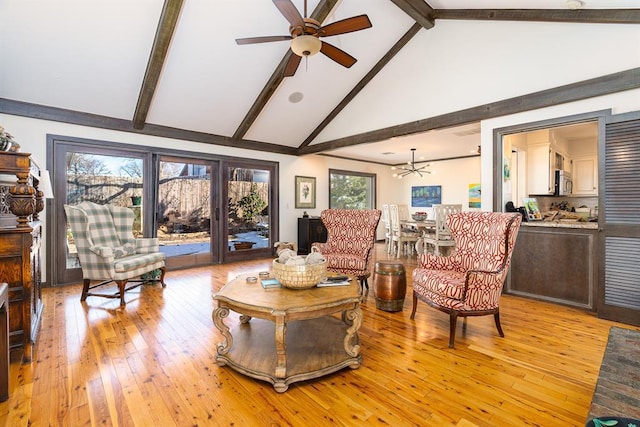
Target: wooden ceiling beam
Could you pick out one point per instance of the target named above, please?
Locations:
(599, 86)
(164, 34)
(419, 10)
(582, 16)
(319, 14)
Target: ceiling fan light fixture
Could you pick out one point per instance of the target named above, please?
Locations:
(306, 45)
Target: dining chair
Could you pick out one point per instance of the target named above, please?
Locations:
(403, 240)
(387, 227)
(441, 236)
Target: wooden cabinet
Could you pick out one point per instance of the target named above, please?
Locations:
(20, 244)
(555, 264)
(310, 230)
(540, 174)
(585, 176)
(542, 162)
(20, 268)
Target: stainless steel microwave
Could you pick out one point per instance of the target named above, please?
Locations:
(564, 184)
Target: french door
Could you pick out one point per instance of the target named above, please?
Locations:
(186, 198)
(203, 210)
(89, 173)
(249, 223)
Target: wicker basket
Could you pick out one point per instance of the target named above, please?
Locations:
(299, 276)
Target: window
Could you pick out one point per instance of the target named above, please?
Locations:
(351, 190)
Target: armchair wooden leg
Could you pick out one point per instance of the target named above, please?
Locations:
(163, 271)
(453, 320)
(415, 304)
(85, 289)
(364, 283)
(121, 286)
(496, 317)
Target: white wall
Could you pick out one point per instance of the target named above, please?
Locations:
(453, 175)
(462, 64)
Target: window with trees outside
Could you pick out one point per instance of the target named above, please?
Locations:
(351, 190)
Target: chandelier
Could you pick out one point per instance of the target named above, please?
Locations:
(411, 168)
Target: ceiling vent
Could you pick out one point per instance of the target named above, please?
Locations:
(473, 131)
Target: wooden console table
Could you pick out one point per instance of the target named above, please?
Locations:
(295, 336)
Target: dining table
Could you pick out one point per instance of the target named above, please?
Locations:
(424, 227)
(421, 226)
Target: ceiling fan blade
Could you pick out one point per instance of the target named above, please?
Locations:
(289, 11)
(348, 25)
(265, 39)
(292, 65)
(338, 55)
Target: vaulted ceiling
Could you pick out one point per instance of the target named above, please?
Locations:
(173, 69)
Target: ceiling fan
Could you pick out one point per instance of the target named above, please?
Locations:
(305, 36)
(407, 170)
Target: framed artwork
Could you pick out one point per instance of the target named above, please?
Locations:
(531, 206)
(426, 196)
(507, 169)
(305, 192)
(474, 195)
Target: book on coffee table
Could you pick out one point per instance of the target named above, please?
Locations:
(270, 283)
(334, 281)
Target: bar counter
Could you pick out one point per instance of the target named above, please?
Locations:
(556, 261)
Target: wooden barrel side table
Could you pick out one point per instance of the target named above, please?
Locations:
(389, 285)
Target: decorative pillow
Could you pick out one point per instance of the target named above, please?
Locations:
(125, 250)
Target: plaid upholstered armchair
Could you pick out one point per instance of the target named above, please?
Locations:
(351, 234)
(469, 281)
(108, 251)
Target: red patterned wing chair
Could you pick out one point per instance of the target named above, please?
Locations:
(351, 234)
(469, 281)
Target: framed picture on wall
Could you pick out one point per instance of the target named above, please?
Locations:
(474, 195)
(305, 192)
(426, 196)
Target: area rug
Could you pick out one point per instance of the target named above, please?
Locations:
(617, 393)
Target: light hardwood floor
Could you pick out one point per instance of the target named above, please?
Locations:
(152, 364)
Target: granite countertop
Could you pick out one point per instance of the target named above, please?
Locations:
(562, 224)
(563, 219)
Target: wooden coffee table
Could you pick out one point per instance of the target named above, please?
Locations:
(296, 334)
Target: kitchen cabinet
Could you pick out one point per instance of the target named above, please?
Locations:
(540, 174)
(555, 264)
(310, 230)
(585, 176)
(543, 161)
